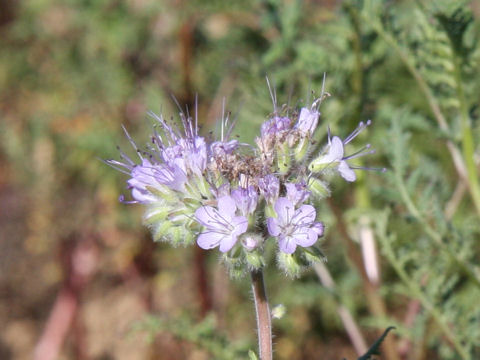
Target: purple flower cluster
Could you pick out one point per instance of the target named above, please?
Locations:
(228, 195)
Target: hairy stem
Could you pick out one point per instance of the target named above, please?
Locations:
(264, 324)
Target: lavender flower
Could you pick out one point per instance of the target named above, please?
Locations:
(222, 148)
(294, 227)
(307, 121)
(275, 126)
(245, 199)
(269, 187)
(223, 226)
(297, 193)
(335, 154)
(142, 177)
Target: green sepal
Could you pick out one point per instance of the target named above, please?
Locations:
(155, 214)
(181, 215)
(290, 264)
(162, 192)
(313, 255)
(300, 151)
(192, 203)
(203, 186)
(318, 188)
(176, 235)
(318, 165)
(160, 229)
(235, 265)
(188, 237)
(254, 259)
(284, 160)
(269, 211)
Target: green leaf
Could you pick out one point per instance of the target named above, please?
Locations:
(252, 355)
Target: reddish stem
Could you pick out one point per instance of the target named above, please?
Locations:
(264, 323)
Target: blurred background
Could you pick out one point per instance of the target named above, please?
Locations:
(80, 277)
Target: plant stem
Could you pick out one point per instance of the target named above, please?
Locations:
(468, 145)
(264, 324)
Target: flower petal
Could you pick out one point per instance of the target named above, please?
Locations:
(346, 172)
(284, 209)
(227, 207)
(227, 243)
(240, 224)
(306, 238)
(143, 196)
(273, 228)
(336, 149)
(287, 244)
(334, 154)
(209, 217)
(210, 239)
(307, 120)
(319, 228)
(305, 215)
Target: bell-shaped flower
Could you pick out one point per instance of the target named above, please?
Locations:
(222, 225)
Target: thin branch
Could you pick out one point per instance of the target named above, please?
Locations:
(353, 331)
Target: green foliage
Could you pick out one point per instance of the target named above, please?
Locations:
(204, 334)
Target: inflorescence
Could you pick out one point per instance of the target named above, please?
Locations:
(242, 199)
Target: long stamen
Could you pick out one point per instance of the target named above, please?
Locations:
(196, 114)
(222, 122)
(169, 132)
(362, 152)
(368, 168)
(126, 157)
(361, 126)
(226, 224)
(131, 142)
(117, 165)
(273, 95)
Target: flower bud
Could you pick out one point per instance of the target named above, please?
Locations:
(251, 241)
(284, 160)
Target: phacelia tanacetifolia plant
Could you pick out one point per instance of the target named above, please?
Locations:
(240, 197)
